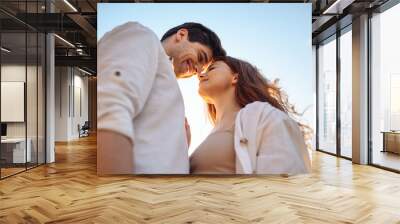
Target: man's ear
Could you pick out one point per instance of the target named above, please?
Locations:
(235, 79)
(181, 34)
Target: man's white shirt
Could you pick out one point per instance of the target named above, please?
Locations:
(139, 97)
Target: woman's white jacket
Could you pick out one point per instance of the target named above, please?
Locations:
(268, 141)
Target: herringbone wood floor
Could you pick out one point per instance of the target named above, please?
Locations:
(70, 192)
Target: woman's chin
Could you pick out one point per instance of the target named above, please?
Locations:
(207, 100)
(205, 97)
(202, 93)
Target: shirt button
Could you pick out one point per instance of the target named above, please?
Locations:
(243, 140)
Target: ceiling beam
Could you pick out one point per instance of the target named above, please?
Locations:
(86, 26)
(81, 61)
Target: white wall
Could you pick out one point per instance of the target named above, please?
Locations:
(62, 81)
(71, 94)
(81, 89)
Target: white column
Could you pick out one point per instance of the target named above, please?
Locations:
(50, 91)
(360, 90)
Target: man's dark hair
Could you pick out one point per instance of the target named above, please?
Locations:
(201, 34)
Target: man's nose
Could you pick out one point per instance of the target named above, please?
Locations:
(198, 68)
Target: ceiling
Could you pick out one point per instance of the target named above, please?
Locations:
(74, 23)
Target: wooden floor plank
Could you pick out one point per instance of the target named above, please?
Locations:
(69, 191)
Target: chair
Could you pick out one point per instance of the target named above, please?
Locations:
(84, 130)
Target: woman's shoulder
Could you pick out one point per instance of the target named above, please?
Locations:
(262, 115)
(263, 109)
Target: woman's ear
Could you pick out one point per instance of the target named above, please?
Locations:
(181, 34)
(235, 79)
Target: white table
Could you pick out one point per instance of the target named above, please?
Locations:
(18, 150)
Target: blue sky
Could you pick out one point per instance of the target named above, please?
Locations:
(274, 37)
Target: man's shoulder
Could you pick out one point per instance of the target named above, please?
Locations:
(137, 27)
(133, 29)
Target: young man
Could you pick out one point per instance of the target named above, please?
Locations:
(141, 117)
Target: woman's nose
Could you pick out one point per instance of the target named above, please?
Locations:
(201, 75)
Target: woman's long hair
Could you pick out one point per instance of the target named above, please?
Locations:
(252, 86)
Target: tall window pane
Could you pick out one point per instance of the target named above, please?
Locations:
(31, 97)
(15, 151)
(346, 94)
(327, 96)
(385, 84)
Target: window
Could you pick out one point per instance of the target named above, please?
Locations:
(346, 93)
(385, 89)
(327, 96)
(22, 86)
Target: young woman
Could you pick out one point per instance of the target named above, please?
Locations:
(253, 129)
